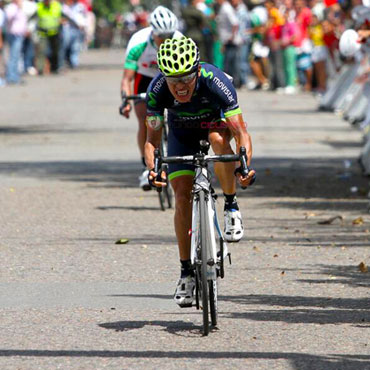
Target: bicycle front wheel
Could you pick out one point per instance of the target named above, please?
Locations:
(212, 284)
(204, 242)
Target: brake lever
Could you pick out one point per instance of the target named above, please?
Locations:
(123, 105)
(243, 158)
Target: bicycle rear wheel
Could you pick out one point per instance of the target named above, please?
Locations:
(204, 242)
(162, 200)
(169, 195)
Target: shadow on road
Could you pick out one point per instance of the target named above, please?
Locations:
(311, 310)
(277, 177)
(101, 173)
(297, 361)
(349, 275)
(172, 327)
(40, 129)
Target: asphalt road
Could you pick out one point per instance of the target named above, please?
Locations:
(70, 298)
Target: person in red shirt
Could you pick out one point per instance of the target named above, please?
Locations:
(304, 62)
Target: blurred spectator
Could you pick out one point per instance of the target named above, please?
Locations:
(209, 30)
(195, 21)
(318, 9)
(16, 28)
(331, 41)
(141, 17)
(72, 32)
(245, 39)
(90, 28)
(319, 53)
(49, 15)
(304, 61)
(259, 52)
(228, 26)
(2, 23)
(29, 7)
(290, 39)
(273, 40)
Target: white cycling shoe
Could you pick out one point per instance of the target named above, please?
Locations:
(144, 182)
(233, 230)
(184, 294)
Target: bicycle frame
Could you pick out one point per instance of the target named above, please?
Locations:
(202, 183)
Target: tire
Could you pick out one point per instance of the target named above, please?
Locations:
(162, 199)
(204, 241)
(169, 195)
(197, 289)
(212, 285)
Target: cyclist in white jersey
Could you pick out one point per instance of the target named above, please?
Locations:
(141, 66)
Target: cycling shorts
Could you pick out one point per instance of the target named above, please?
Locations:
(180, 145)
(141, 84)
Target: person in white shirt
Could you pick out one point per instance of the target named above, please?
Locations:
(228, 27)
(29, 8)
(2, 22)
(16, 28)
(73, 32)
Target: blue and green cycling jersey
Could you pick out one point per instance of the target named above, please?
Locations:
(214, 97)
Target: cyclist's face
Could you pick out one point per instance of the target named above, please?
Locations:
(182, 88)
(158, 39)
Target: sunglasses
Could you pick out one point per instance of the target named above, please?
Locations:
(164, 36)
(184, 79)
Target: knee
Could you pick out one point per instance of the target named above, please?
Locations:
(183, 199)
(219, 143)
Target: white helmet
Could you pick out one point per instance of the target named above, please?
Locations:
(163, 21)
(348, 43)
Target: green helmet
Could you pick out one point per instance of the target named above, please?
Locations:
(178, 56)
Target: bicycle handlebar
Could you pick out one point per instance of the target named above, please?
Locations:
(242, 157)
(126, 98)
(206, 158)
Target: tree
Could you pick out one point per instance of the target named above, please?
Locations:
(108, 8)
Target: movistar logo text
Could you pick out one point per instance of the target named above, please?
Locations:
(224, 88)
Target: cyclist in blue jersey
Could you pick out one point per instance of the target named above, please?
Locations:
(197, 96)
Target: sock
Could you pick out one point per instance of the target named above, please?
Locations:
(186, 269)
(231, 202)
(143, 162)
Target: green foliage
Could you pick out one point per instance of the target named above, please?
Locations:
(108, 8)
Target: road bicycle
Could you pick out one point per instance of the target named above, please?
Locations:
(208, 246)
(165, 196)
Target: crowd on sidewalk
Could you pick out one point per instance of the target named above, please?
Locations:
(41, 37)
(282, 45)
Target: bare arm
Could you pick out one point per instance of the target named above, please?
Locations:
(238, 129)
(126, 88)
(154, 134)
(127, 81)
